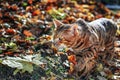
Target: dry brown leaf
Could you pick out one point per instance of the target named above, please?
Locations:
(36, 12)
(30, 1)
(8, 53)
(72, 59)
(71, 68)
(14, 7)
(27, 33)
(10, 31)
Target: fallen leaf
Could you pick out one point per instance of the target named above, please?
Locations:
(27, 33)
(36, 12)
(10, 31)
(72, 59)
(12, 63)
(30, 1)
(14, 7)
(71, 68)
(8, 53)
(99, 67)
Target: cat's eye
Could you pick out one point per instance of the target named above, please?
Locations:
(60, 39)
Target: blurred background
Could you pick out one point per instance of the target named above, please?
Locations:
(26, 28)
(112, 4)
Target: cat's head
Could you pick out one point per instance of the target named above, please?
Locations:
(67, 34)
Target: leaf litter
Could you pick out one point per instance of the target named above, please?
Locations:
(26, 30)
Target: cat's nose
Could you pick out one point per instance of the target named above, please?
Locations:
(56, 41)
(56, 44)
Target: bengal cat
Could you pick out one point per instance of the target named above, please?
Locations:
(88, 40)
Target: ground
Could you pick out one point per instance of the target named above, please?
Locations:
(26, 29)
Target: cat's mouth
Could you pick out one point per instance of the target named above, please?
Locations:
(58, 45)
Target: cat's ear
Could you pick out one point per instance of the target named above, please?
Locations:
(82, 23)
(57, 23)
